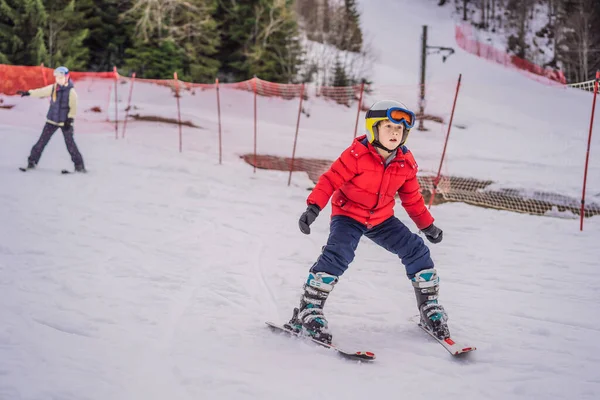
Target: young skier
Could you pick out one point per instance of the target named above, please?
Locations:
(363, 182)
(61, 114)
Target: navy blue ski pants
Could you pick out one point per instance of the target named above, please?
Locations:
(47, 132)
(392, 235)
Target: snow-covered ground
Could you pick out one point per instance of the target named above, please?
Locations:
(151, 276)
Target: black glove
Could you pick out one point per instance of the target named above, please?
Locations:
(23, 93)
(68, 123)
(308, 217)
(433, 233)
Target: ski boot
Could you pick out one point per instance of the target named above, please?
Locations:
(31, 165)
(81, 169)
(433, 315)
(309, 317)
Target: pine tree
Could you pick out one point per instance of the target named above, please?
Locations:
(154, 61)
(109, 34)
(259, 37)
(182, 28)
(66, 32)
(22, 36)
(235, 21)
(196, 32)
(340, 78)
(351, 27)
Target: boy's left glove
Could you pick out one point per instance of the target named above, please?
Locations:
(68, 123)
(433, 233)
(308, 217)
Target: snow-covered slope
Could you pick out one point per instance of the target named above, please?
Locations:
(151, 276)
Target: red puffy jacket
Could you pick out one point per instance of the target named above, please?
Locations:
(363, 188)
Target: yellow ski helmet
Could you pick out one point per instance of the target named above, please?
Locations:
(395, 111)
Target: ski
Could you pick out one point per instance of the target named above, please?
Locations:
(453, 347)
(64, 171)
(349, 355)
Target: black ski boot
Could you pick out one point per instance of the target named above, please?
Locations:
(433, 315)
(309, 317)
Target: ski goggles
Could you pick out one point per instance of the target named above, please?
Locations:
(395, 114)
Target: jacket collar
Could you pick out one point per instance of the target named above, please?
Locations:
(362, 146)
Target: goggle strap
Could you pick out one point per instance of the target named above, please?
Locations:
(376, 114)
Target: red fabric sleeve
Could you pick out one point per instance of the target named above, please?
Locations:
(413, 203)
(341, 171)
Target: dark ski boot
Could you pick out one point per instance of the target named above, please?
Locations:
(433, 315)
(309, 317)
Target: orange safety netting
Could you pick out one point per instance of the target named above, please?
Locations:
(17, 77)
(464, 38)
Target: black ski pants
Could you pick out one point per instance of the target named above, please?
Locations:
(47, 132)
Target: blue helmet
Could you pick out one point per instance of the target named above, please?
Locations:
(61, 71)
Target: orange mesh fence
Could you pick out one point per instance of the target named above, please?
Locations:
(465, 39)
(16, 77)
(94, 90)
(340, 94)
(251, 119)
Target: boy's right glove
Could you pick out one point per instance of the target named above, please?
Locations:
(433, 233)
(23, 93)
(308, 217)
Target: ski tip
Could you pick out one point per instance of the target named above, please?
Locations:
(366, 355)
(464, 350)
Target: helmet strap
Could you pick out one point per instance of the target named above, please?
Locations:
(376, 143)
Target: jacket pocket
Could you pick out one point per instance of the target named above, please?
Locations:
(339, 199)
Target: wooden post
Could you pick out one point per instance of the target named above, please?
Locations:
(437, 178)
(219, 119)
(128, 105)
(178, 110)
(254, 81)
(296, 135)
(116, 104)
(362, 88)
(587, 154)
(421, 127)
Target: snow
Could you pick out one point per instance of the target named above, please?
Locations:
(151, 276)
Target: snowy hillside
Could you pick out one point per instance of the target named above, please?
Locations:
(151, 276)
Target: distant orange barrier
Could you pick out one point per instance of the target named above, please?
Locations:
(18, 77)
(471, 45)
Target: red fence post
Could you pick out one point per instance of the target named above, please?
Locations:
(219, 119)
(362, 88)
(128, 105)
(116, 104)
(587, 154)
(254, 87)
(437, 178)
(296, 135)
(178, 110)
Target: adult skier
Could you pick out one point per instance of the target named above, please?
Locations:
(61, 114)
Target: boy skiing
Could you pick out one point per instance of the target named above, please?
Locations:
(363, 182)
(61, 114)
